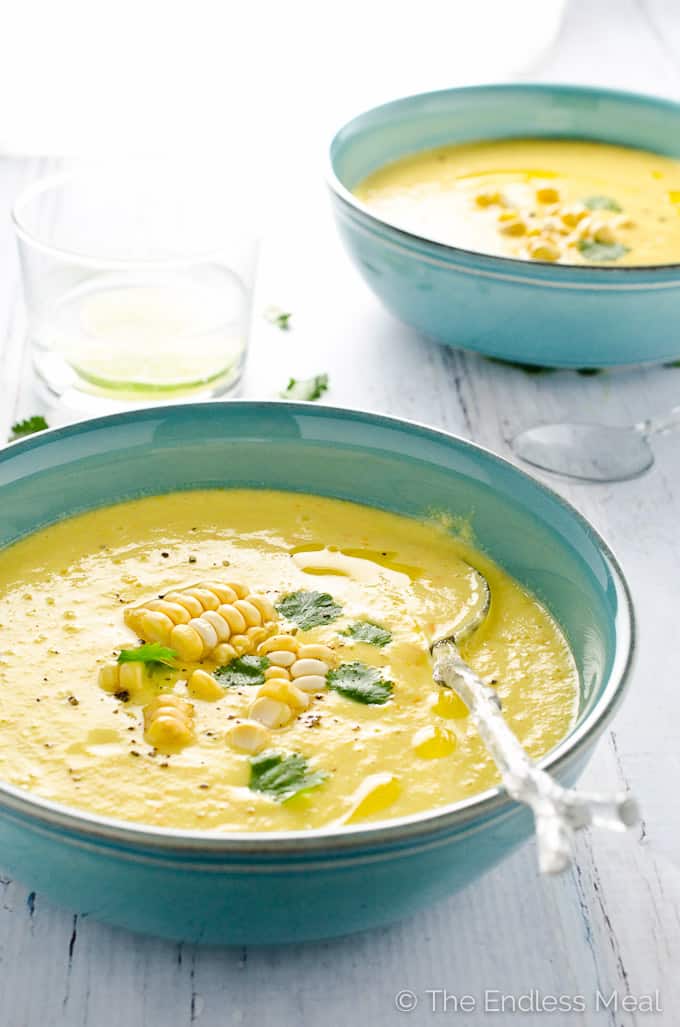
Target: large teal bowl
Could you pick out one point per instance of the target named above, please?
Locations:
(527, 311)
(254, 888)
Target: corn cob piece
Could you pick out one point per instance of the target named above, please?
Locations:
(210, 620)
(169, 723)
(122, 677)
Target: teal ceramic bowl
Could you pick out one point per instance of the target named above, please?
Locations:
(284, 887)
(524, 311)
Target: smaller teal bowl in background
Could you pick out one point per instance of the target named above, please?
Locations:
(531, 312)
(291, 886)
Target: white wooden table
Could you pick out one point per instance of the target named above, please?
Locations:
(613, 923)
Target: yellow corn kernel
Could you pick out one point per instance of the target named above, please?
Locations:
(547, 194)
(206, 598)
(249, 736)
(190, 603)
(256, 635)
(206, 633)
(316, 652)
(431, 742)
(235, 620)
(250, 613)
(240, 590)
(176, 613)
(544, 249)
(374, 794)
(131, 677)
(108, 677)
(203, 686)
(278, 643)
(187, 642)
(241, 644)
(450, 705)
(218, 624)
(516, 227)
(311, 683)
(603, 233)
(169, 723)
(303, 668)
(155, 627)
(489, 198)
(276, 672)
(282, 658)
(285, 692)
(224, 653)
(224, 593)
(264, 607)
(271, 712)
(572, 216)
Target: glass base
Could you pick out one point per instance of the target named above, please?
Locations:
(72, 396)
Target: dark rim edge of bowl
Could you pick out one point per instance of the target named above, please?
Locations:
(108, 829)
(445, 250)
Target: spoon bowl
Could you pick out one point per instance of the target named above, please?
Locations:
(588, 452)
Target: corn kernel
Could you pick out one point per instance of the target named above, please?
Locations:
(316, 652)
(286, 692)
(249, 736)
(544, 249)
(206, 598)
(282, 658)
(190, 603)
(169, 723)
(203, 686)
(176, 613)
(516, 227)
(571, 216)
(271, 712)
(241, 644)
(250, 613)
(547, 194)
(218, 624)
(224, 593)
(155, 627)
(278, 642)
(264, 607)
(131, 677)
(108, 677)
(303, 668)
(224, 653)
(604, 233)
(311, 683)
(235, 620)
(488, 198)
(276, 672)
(187, 642)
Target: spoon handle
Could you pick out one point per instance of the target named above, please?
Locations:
(558, 812)
(655, 425)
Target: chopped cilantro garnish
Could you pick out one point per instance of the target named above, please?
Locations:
(308, 389)
(361, 683)
(601, 250)
(243, 670)
(309, 609)
(367, 631)
(150, 652)
(279, 318)
(602, 203)
(29, 426)
(281, 775)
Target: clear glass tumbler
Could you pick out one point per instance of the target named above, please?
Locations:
(138, 283)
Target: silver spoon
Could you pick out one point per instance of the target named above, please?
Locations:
(558, 812)
(593, 452)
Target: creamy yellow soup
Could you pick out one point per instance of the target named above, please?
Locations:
(563, 201)
(73, 732)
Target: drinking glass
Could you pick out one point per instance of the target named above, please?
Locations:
(138, 282)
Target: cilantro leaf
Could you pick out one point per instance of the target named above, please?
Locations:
(361, 683)
(601, 250)
(150, 652)
(243, 670)
(29, 426)
(308, 389)
(279, 318)
(367, 631)
(602, 203)
(309, 609)
(281, 775)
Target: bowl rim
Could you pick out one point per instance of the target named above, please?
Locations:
(418, 826)
(446, 250)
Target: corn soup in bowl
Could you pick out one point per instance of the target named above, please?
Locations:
(532, 223)
(215, 624)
